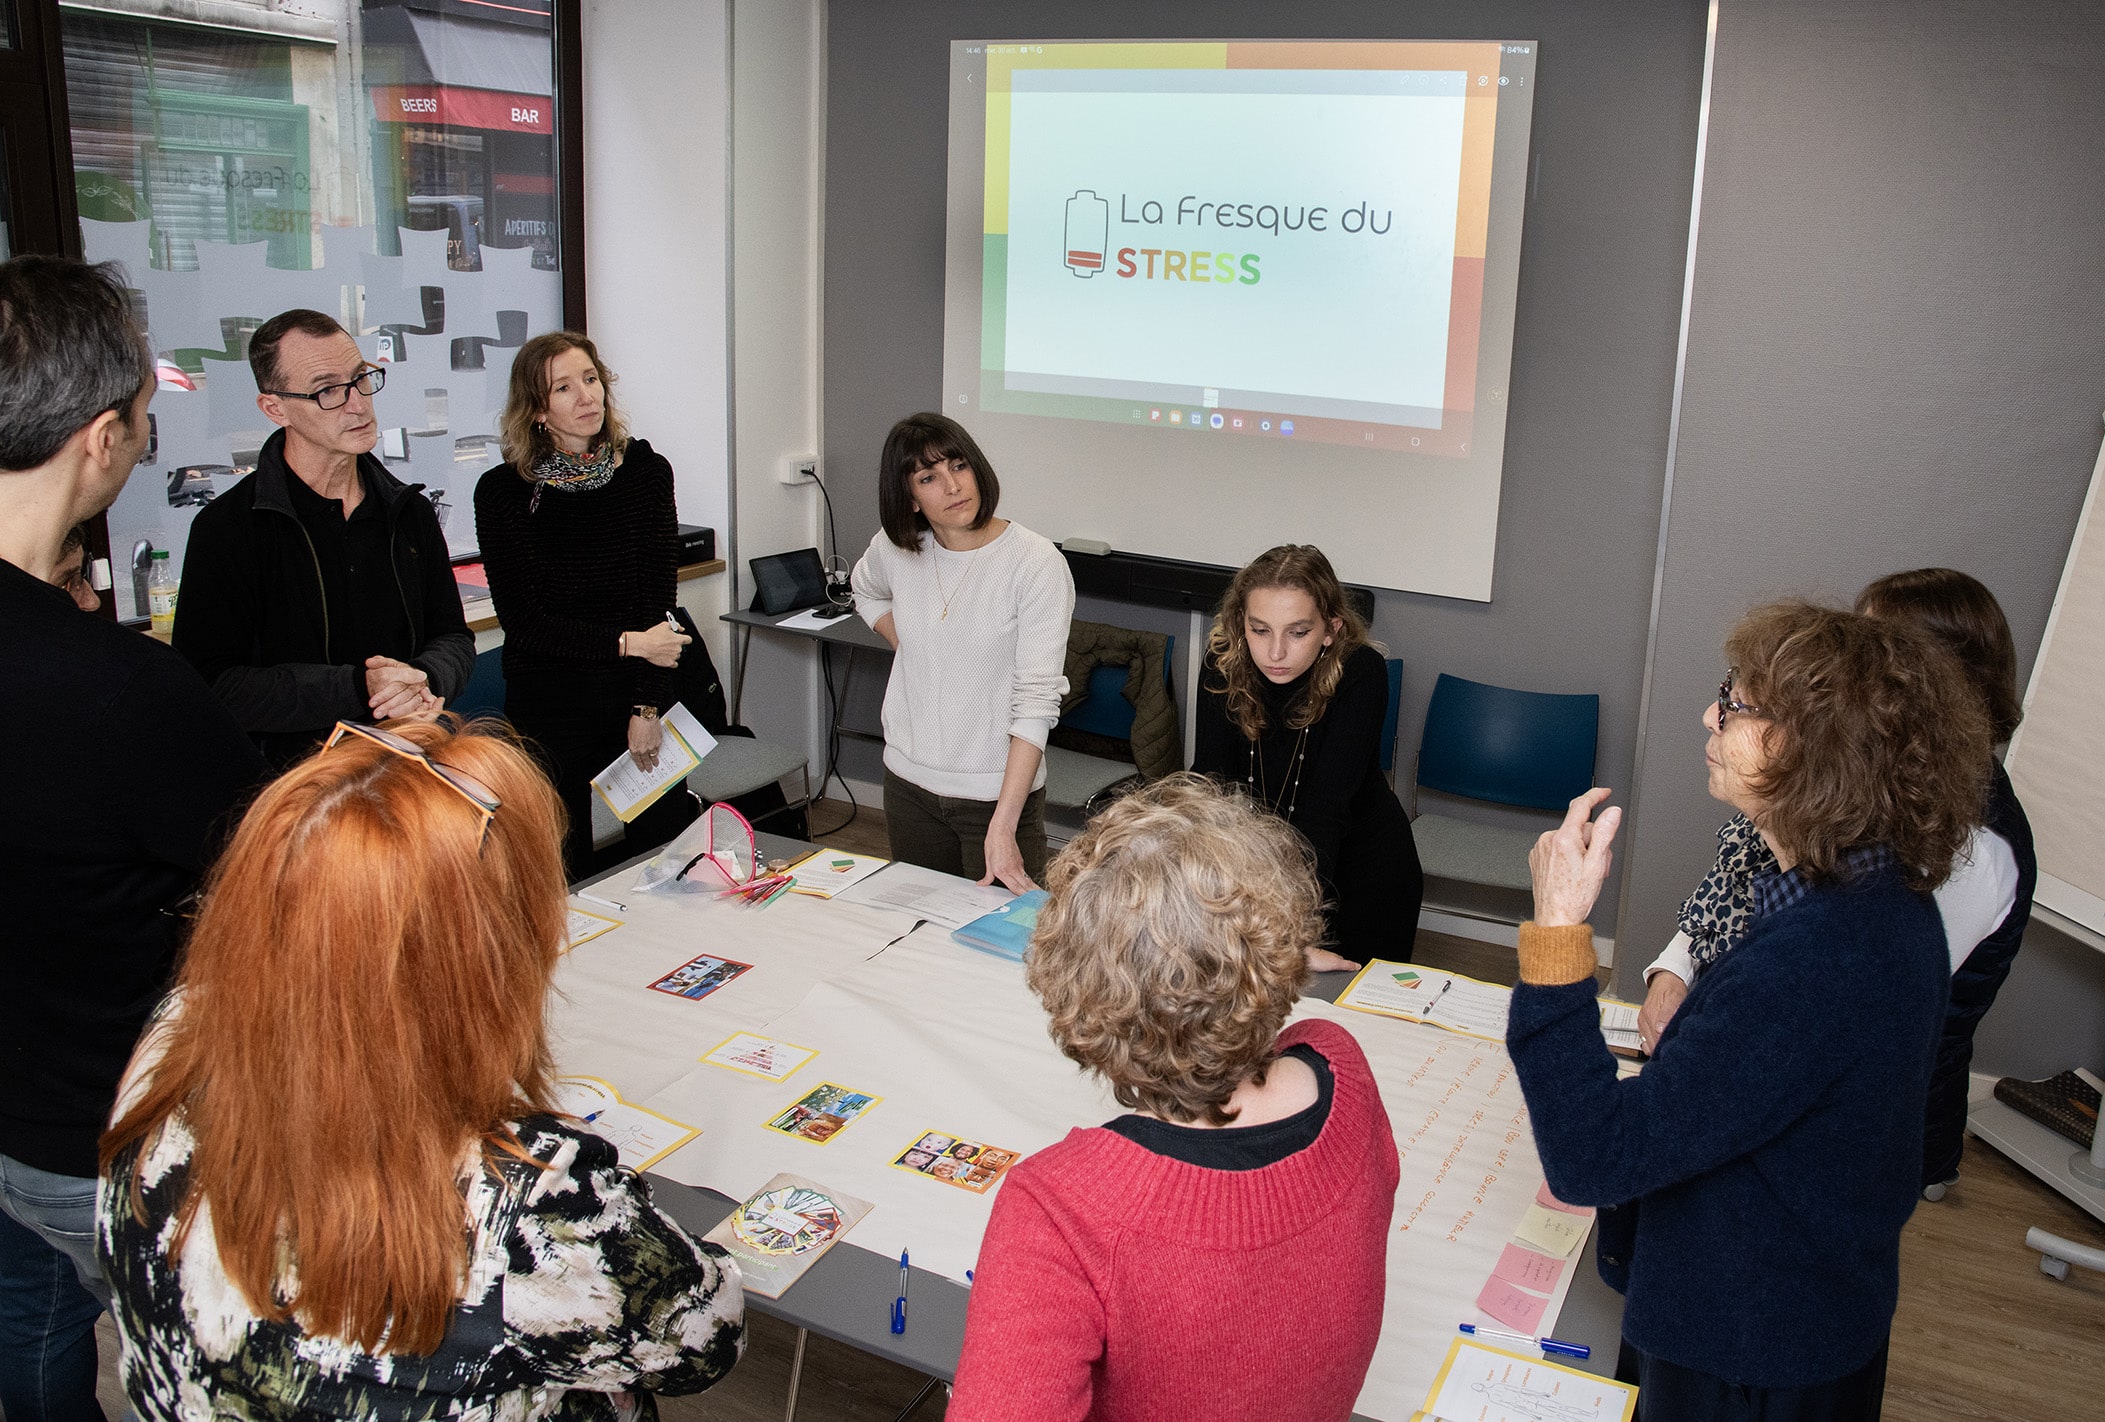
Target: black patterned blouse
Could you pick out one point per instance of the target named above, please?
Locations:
(583, 1300)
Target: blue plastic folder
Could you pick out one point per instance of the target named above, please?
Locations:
(1006, 932)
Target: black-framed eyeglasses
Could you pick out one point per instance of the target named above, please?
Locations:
(1727, 704)
(369, 381)
(481, 796)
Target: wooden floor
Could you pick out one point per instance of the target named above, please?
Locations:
(1980, 1333)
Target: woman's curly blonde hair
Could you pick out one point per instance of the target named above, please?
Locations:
(1875, 735)
(1174, 944)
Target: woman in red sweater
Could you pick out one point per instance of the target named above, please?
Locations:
(1167, 1265)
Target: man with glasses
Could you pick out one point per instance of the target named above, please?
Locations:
(318, 589)
(124, 773)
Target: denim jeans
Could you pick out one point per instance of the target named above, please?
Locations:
(51, 1289)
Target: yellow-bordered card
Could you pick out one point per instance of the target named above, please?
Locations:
(1440, 999)
(644, 1137)
(584, 927)
(1477, 1383)
(822, 1113)
(764, 1057)
(969, 1165)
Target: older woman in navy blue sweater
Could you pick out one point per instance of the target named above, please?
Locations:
(1763, 1165)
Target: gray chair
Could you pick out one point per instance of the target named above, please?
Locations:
(740, 764)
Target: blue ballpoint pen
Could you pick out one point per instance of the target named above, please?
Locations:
(899, 1304)
(1547, 1345)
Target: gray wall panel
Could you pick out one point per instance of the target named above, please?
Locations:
(1897, 351)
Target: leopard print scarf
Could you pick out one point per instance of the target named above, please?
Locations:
(1715, 915)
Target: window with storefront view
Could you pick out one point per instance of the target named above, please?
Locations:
(390, 162)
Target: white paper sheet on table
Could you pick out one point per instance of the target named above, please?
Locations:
(954, 1041)
(815, 619)
(642, 1136)
(608, 1023)
(942, 899)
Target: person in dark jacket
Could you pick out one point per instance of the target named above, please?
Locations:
(318, 589)
(581, 542)
(1291, 707)
(1985, 904)
(1763, 1164)
(126, 771)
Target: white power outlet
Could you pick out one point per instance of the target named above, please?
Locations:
(800, 470)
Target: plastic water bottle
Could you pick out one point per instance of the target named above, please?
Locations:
(160, 592)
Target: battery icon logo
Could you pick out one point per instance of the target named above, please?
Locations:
(1088, 227)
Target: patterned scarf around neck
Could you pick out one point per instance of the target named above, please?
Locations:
(1715, 915)
(572, 473)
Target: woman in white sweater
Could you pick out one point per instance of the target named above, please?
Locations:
(977, 609)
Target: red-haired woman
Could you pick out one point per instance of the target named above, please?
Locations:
(336, 1185)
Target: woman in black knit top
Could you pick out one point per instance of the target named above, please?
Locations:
(581, 544)
(1291, 707)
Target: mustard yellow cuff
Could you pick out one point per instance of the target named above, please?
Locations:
(1550, 957)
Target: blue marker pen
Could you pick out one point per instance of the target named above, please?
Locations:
(899, 1304)
(1547, 1345)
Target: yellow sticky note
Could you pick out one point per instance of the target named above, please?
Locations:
(1550, 1232)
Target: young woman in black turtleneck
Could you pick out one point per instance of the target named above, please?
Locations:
(1291, 708)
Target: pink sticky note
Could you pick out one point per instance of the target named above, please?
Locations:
(1515, 1308)
(1528, 1269)
(1544, 1198)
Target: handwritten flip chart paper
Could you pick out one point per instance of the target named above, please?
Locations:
(1528, 1269)
(1514, 1307)
(1482, 1384)
(1445, 1000)
(1551, 1232)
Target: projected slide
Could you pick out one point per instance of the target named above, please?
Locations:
(1195, 232)
(1228, 275)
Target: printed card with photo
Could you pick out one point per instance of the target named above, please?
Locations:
(759, 1056)
(969, 1165)
(698, 977)
(823, 1112)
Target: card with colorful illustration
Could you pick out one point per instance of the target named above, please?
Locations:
(759, 1056)
(782, 1228)
(969, 1165)
(823, 1112)
(698, 977)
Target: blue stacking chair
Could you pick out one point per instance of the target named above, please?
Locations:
(1388, 722)
(1530, 749)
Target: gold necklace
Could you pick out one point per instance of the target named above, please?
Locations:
(972, 558)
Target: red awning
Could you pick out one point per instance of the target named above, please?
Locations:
(463, 108)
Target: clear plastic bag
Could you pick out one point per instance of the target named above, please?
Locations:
(715, 853)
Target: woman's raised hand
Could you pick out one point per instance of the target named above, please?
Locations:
(659, 644)
(1570, 863)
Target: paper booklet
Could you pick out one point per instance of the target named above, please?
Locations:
(1007, 931)
(630, 790)
(1416, 994)
(825, 872)
(782, 1228)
